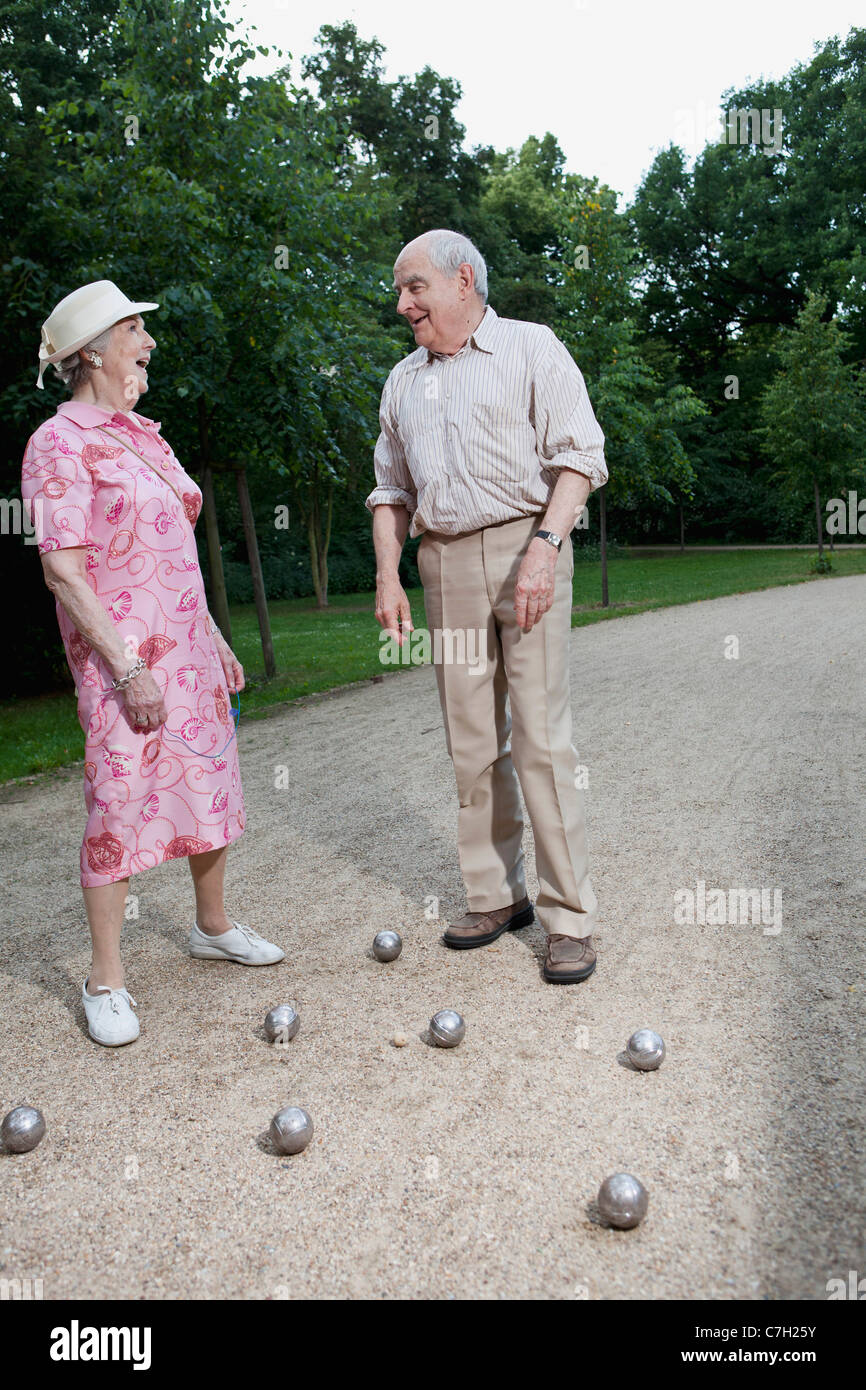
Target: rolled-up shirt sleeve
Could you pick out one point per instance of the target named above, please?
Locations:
(394, 484)
(566, 430)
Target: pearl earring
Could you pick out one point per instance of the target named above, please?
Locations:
(96, 359)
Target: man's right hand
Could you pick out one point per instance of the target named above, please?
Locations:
(392, 608)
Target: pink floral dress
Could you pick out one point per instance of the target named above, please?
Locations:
(157, 794)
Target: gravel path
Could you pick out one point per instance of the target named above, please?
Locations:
(472, 1173)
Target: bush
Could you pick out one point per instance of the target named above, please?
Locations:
(819, 564)
(286, 572)
(34, 660)
(589, 552)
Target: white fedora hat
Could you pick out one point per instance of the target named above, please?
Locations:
(81, 316)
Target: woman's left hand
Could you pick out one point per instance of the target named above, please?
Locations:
(232, 668)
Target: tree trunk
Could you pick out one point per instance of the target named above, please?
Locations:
(219, 602)
(682, 530)
(319, 539)
(312, 542)
(325, 544)
(602, 518)
(255, 560)
(819, 520)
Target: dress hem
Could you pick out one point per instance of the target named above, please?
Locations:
(102, 880)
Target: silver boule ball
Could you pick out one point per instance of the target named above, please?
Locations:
(645, 1049)
(282, 1023)
(622, 1200)
(447, 1028)
(22, 1129)
(387, 945)
(291, 1130)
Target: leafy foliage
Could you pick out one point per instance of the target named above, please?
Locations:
(720, 322)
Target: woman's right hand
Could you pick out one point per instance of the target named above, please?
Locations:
(144, 703)
(66, 576)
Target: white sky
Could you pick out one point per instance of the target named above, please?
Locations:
(614, 80)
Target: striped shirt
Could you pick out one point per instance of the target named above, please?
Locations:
(480, 437)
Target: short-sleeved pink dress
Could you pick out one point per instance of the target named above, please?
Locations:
(158, 794)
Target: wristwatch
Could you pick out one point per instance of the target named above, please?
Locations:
(551, 538)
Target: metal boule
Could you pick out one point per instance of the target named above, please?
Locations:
(645, 1049)
(22, 1129)
(387, 945)
(291, 1130)
(447, 1028)
(281, 1024)
(622, 1200)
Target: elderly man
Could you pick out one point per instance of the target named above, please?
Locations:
(489, 449)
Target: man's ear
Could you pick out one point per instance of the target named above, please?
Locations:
(466, 275)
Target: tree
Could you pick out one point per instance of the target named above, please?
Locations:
(814, 411)
(727, 248)
(51, 52)
(640, 412)
(520, 230)
(406, 131)
(220, 196)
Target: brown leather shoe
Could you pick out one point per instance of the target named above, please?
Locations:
(569, 959)
(480, 928)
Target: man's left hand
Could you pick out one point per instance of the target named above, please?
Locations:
(533, 592)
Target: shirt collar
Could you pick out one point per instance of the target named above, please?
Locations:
(482, 337)
(89, 416)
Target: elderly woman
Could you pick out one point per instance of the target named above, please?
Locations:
(114, 512)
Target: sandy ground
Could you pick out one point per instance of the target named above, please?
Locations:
(472, 1173)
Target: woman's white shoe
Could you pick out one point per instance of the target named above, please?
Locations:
(110, 1019)
(241, 944)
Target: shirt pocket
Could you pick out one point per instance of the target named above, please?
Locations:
(501, 443)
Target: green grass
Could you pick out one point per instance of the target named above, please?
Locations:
(640, 582)
(319, 650)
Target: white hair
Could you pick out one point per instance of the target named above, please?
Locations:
(73, 370)
(447, 251)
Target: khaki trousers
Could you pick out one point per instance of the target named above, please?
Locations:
(469, 599)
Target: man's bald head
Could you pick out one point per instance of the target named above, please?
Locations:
(441, 281)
